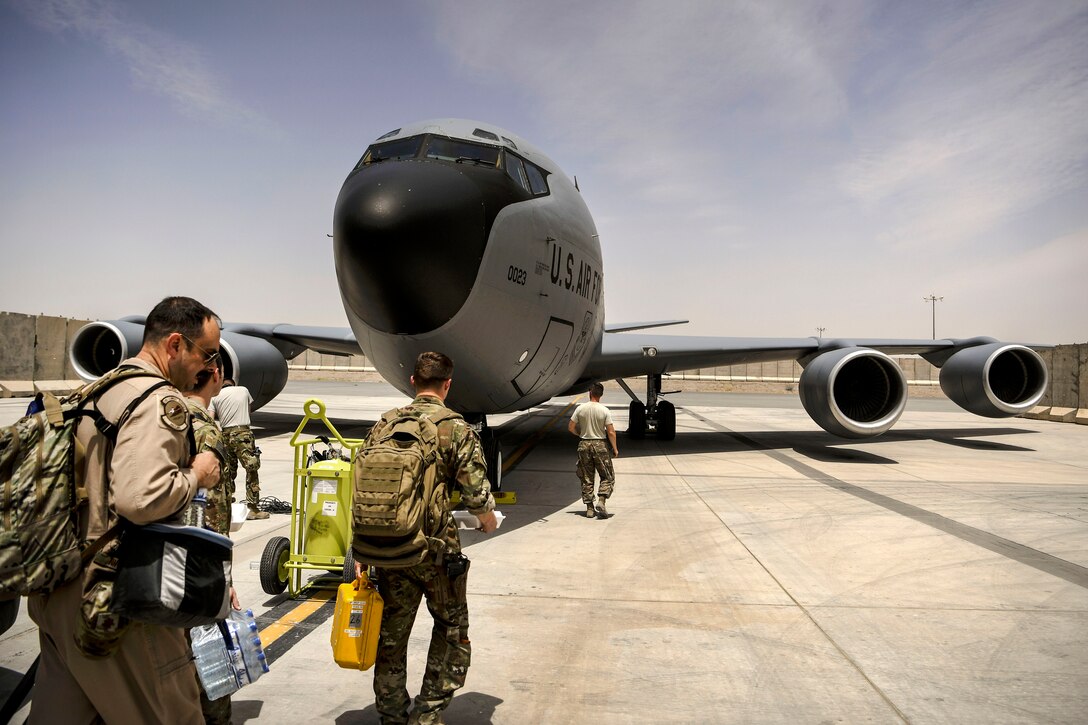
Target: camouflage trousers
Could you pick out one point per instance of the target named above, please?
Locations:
(594, 456)
(450, 651)
(241, 448)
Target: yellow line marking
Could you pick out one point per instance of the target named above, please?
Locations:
(287, 622)
(532, 440)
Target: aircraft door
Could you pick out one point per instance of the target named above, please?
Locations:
(548, 355)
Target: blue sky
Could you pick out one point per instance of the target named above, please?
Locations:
(760, 168)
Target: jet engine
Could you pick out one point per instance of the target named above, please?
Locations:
(853, 392)
(251, 361)
(996, 380)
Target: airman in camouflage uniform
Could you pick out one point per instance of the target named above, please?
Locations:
(442, 579)
(231, 408)
(209, 437)
(592, 422)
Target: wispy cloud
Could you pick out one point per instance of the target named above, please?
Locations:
(989, 124)
(158, 62)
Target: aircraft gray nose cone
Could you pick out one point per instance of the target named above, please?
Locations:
(408, 238)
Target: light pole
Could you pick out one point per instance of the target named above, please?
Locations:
(820, 331)
(934, 299)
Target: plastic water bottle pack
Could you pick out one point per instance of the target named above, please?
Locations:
(228, 654)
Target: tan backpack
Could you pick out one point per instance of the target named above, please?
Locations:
(397, 507)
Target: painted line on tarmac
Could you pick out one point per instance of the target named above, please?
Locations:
(529, 443)
(1067, 570)
(290, 621)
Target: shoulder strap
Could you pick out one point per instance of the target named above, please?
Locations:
(96, 389)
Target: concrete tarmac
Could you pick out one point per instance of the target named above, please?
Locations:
(754, 570)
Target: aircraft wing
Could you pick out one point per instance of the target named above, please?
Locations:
(325, 340)
(633, 355)
(851, 388)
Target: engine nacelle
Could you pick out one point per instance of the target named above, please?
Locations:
(853, 392)
(98, 347)
(254, 363)
(997, 380)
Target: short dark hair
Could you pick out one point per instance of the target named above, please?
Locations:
(596, 390)
(432, 368)
(177, 314)
(205, 375)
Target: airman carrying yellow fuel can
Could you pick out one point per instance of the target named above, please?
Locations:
(356, 624)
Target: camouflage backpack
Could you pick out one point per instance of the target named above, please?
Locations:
(396, 508)
(40, 492)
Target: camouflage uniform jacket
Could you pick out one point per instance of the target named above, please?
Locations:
(209, 437)
(460, 463)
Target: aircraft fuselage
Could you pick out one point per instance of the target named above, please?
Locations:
(447, 240)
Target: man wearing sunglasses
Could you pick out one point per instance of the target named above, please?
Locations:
(93, 666)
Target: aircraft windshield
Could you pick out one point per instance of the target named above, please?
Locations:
(462, 152)
(404, 148)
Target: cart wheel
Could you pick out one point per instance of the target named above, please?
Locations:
(273, 565)
(349, 566)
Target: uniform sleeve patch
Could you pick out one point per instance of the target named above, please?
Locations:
(175, 414)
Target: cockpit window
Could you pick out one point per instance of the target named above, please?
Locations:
(394, 132)
(485, 134)
(536, 179)
(404, 148)
(510, 143)
(462, 152)
(516, 170)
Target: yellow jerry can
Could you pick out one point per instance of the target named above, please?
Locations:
(356, 624)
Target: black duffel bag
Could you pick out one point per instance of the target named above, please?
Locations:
(173, 575)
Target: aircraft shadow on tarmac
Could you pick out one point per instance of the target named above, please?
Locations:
(817, 445)
(814, 445)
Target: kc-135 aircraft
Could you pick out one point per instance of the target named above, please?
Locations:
(459, 236)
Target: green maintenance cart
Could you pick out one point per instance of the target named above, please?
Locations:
(320, 535)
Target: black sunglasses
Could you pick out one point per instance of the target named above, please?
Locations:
(210, 358)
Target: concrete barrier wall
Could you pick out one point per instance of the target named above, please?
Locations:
(35, 348)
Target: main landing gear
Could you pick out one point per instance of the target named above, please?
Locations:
(492, 449)
(655, 417)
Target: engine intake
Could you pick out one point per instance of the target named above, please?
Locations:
(853, 392)
(997, 380)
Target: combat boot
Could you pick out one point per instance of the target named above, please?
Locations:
(602, 512)
(590, 512)
(255, 514)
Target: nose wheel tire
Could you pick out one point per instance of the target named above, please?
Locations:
(274, 571)
(666, 421)
(493, 457)
(636, 419)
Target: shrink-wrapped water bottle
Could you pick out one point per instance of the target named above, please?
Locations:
(249, 643)
(213, 663)
(228, 654)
